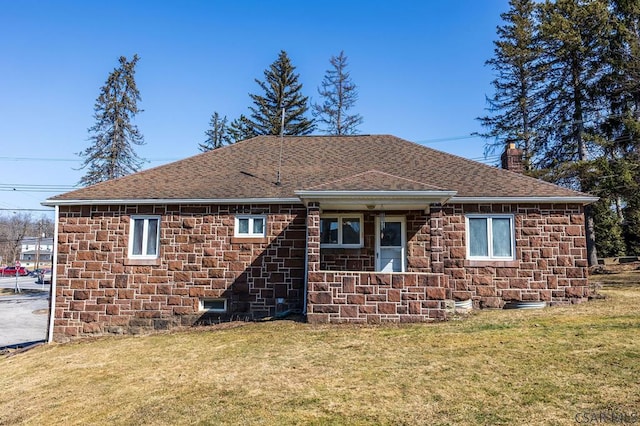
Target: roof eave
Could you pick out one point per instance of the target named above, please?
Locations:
(583, 200)
(378, 200)
(134, 201)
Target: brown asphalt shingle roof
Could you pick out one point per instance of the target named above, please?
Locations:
(374, 180)
(248, 169)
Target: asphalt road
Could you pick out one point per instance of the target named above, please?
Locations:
(23, 317)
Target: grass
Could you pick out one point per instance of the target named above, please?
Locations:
(493, 367)
(12, 292)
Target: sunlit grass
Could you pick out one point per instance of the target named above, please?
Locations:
(493, 367)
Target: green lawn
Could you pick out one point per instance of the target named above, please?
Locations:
(494, 367)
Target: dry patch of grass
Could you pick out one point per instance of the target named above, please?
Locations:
(494, 367)
(11, 292)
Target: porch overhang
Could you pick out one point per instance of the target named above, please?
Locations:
(374, 200)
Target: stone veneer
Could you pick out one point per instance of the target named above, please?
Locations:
(374, 297)
(551, 256)
(550, 266)
(99, 290)
(363, 259)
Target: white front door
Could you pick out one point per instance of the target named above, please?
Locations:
(390, 243)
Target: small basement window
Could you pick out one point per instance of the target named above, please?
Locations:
(213, 305)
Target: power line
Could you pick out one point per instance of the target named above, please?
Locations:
(27, 210)
(445, 139)
(73, 160)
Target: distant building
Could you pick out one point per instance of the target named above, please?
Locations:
(36, 252)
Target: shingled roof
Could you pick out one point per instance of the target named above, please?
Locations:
(248, 170)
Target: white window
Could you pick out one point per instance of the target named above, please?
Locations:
(490, 237)
(144, 237)
(213, 305)
(251, 226)
(343, 230)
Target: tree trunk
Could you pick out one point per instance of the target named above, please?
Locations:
(592, 253)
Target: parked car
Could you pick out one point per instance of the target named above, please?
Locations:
(44, 277)
(36, 272)
(10, 271)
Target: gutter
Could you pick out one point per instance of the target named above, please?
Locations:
(52, 290)
(133, 201)
(306, 267)
(584, 200)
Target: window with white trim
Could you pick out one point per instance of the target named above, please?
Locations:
(343, 230)
(144, 237)
(213, 305)
(251, 226)
(490, 237)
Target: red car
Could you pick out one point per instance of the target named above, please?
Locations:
(10, 271)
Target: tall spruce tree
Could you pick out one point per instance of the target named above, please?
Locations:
(217, 134)
(339, 95)
(574, 35)
(240, 129)
(515, 113)
(111, 153)
(281, 90)
(621, 88)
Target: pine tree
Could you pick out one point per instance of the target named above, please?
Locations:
(621, 88)
(281, 90)
(515, 113)
(111, 154)
(240, 129)
(573, 34)
(217, 134)
(340, 95)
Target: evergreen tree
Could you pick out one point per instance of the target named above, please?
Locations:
(240, 129)
(574, 35)
(217, 134)
(281, 90)
(621, 88)
(515, 112)
(340, 95)
(111, 154)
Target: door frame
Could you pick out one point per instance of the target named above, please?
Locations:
(403, 228)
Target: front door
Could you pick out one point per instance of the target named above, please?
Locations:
(390, 243)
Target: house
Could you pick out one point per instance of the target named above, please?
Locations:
(36, 252)
(360, 229)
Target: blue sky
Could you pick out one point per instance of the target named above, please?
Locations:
(419, 67)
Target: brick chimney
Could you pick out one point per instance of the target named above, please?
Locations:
(512, 158)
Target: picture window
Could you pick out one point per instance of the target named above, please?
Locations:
(341, 231)
(490, 237)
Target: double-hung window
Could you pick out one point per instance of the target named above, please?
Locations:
(144, 237)
(490, 237)
(341, 231)
(251, 226)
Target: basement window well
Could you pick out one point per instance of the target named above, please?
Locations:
(213, 305)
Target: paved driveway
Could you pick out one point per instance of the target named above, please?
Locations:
(23, 317)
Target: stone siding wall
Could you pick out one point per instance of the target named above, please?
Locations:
(363, 297)
(99, 290)
(551, 258)
(550, 266)
(363, 259)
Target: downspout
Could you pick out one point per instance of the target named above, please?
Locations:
(306, 263)
(52, 290)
